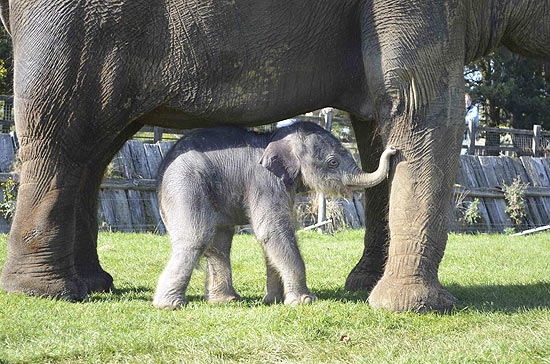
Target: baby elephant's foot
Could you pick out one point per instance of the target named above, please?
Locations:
(272, 297)
(223, 298)
(304, 299)
(169, 303)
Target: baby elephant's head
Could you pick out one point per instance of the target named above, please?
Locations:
(323, 162)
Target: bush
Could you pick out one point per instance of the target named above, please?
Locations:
(515, 201)
(9, 198)
(471, 214)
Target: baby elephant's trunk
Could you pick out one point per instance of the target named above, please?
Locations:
(363, 179)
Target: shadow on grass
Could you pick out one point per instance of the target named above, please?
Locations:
(141, 293)
(502, 298)
(245, 300)
(146, 294)
(487, 298)
(341, 294)
(508, 298)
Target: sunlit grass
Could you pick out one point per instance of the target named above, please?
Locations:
(502, 316)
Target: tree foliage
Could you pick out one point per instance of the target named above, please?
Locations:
(512, 90)
(6, 63)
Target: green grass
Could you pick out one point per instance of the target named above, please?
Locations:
(502, 316)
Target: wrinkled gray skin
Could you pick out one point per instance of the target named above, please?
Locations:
(88, 74)
(218, 178)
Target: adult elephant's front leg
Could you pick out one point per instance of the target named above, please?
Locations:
(418, 220)
(85, 247)
(414, 69)
(370, 267)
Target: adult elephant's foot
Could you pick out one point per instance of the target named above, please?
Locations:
(370, 268)
(415, 296)
(169, 302)
(96, 280)
(223, 298)
(17, 279)
(272, 298)
(86, 261)
(299, 299)
(362, 281)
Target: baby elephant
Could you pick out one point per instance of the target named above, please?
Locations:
(217, 178)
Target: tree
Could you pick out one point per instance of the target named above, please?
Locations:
(511, 89)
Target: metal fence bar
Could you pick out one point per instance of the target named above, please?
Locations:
(506, 130)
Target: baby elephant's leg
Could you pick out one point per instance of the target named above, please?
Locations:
(281, 250)
(219, 282)
(170, 293)
(190, 232)
(274, 285)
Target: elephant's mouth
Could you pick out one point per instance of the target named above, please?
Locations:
(333, 187)
(349, 192)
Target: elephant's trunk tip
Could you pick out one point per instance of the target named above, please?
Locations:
(391, 150)
(372, 179)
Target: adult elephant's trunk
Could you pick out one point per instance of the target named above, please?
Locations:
(365, 180)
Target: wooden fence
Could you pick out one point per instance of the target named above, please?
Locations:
(483, 178)
(155, 134)
(128, 200)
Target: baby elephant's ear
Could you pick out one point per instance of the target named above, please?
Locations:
(279, 159)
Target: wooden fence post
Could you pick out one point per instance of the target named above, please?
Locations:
(322, 211)
(328, 121)
(536, 140)
(472, 130)
(157, 134)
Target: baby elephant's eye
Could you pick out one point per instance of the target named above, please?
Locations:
(333, 162)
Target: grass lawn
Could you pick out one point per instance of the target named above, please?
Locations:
(502, 283)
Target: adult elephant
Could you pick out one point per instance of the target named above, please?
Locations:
(89, 74)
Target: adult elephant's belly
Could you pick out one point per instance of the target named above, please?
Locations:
(247, 70)
(252, 98)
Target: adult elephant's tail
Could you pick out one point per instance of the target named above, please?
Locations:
(5, 14)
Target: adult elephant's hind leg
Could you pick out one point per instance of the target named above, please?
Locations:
(85, 246)
(57, 167)
(370, 267)
(40, 257)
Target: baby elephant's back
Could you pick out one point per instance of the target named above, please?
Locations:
(216, 163)
(214, 150)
